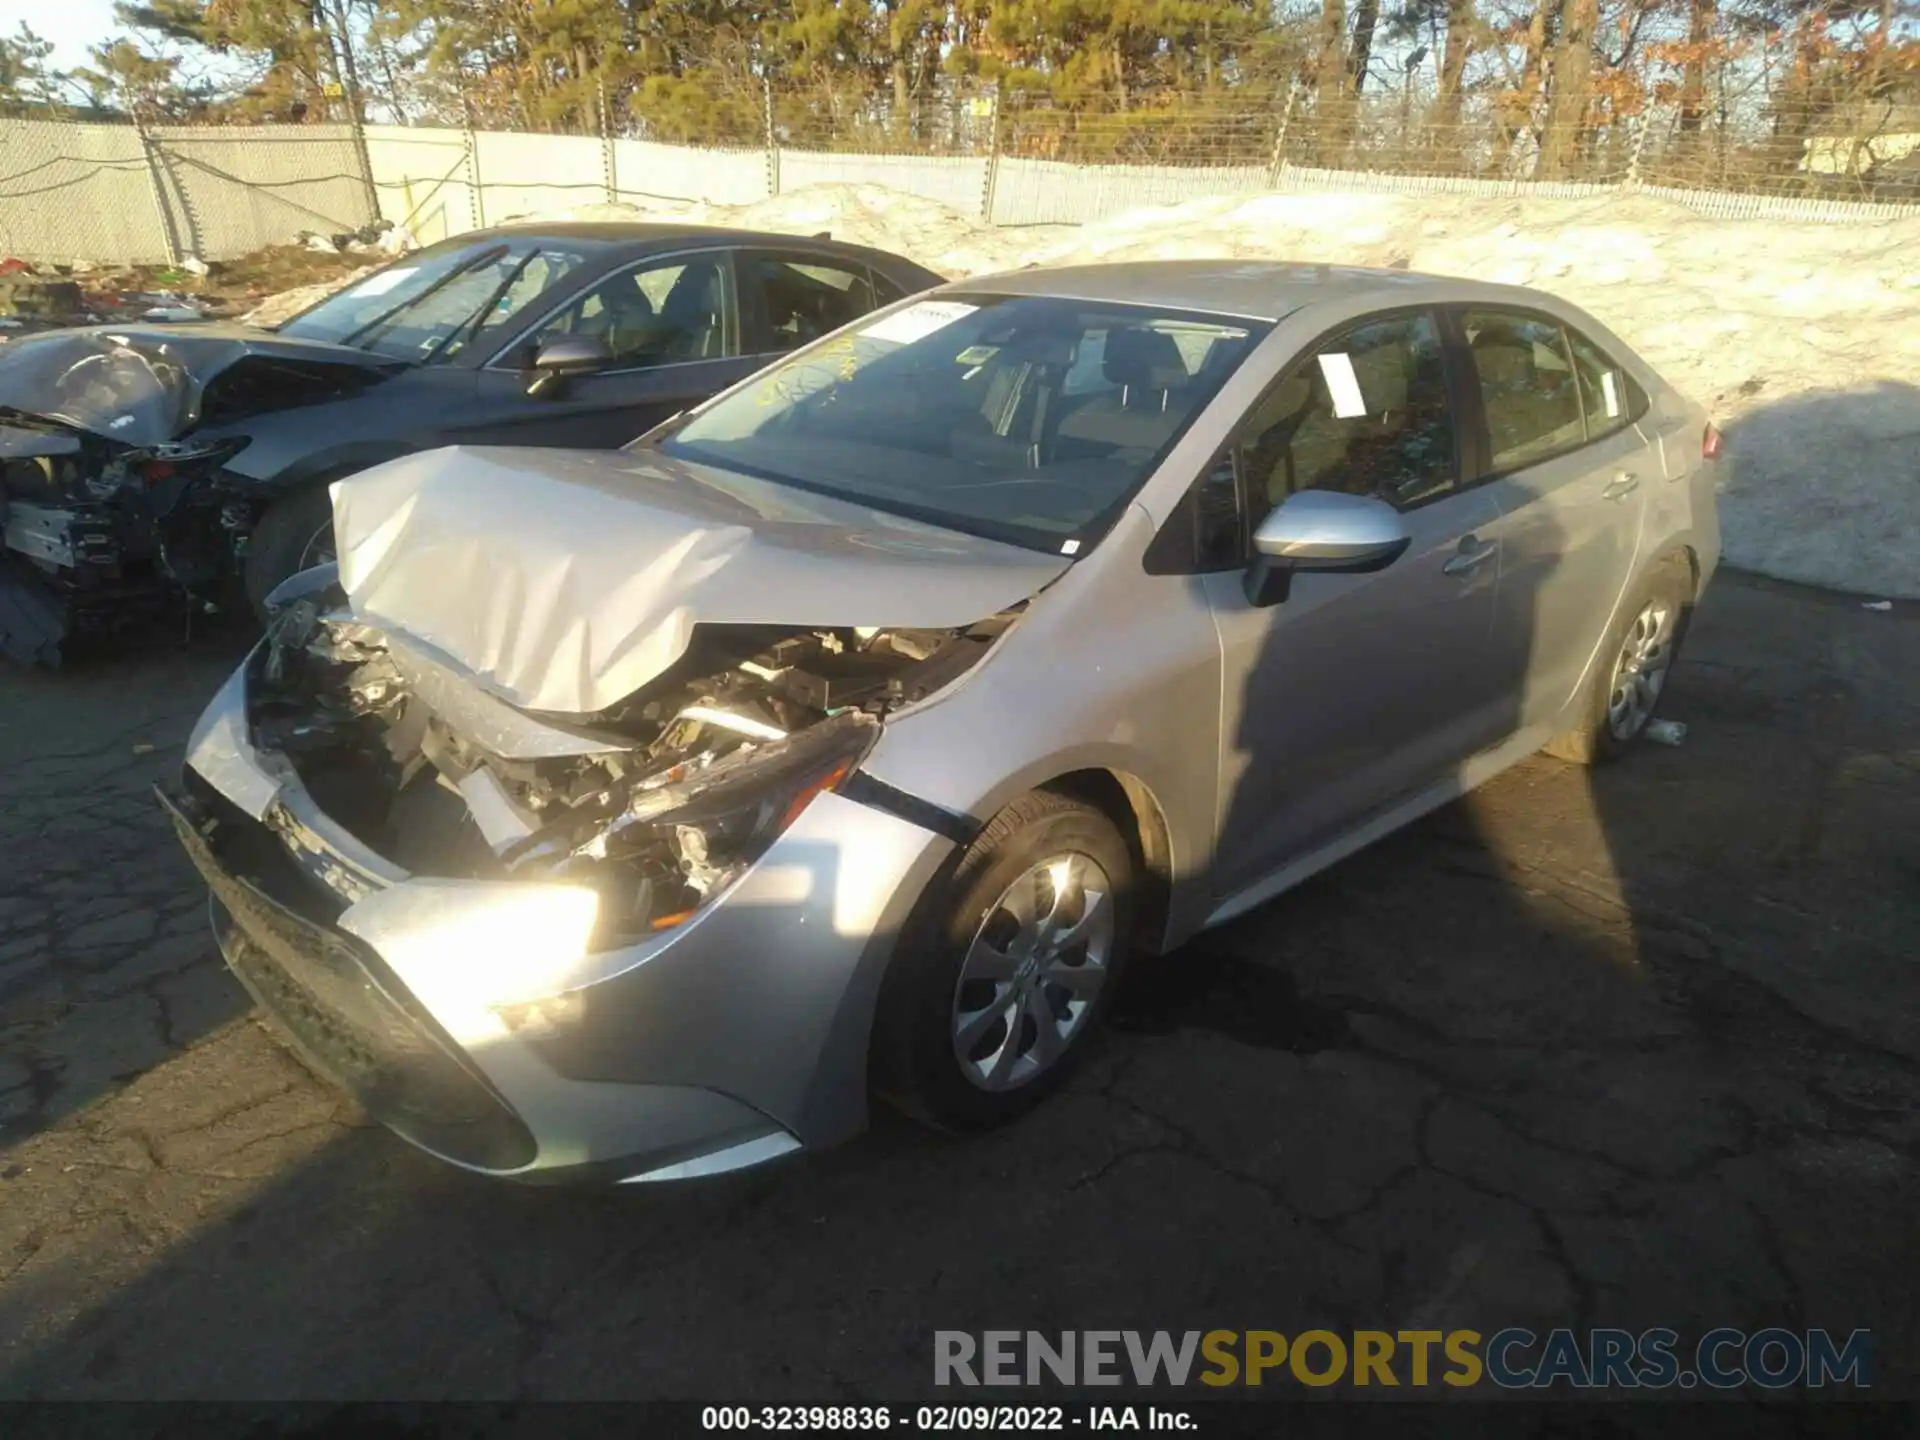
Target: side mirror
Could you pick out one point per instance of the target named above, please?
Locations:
(565, 356)
(1325, 531)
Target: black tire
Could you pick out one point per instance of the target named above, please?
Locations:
(1592, 740)
(282, 542)
(915, 1067)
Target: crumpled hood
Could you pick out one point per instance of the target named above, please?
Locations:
(563, 581)
(147, 384)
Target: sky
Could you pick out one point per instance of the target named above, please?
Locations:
(74, 26)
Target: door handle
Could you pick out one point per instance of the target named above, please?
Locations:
(1472, 554)
(1621, 486)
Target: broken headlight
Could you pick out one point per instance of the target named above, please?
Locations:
(718, 818)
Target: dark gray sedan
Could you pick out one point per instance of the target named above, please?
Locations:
(140, 461)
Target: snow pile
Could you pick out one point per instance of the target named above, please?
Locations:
(1803, 339)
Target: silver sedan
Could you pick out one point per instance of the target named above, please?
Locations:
(640, 815)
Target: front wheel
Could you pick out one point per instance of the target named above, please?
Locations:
(295, 534)
(990, 1001)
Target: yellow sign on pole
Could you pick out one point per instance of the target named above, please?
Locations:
(332, 90)
(980, 106)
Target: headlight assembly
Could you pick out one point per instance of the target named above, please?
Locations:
(717, 819)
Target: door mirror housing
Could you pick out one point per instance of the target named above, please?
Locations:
(1325, 531)
(565, 356)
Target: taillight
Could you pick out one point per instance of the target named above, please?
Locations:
(1710, 444)
(157, 470)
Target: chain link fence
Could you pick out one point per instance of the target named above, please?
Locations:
(122, 193)
(118, 193)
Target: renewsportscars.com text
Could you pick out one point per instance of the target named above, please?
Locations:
(1511, 1359)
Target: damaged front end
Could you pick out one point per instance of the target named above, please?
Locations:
(95, 532)
(115, 496)
(657, 804)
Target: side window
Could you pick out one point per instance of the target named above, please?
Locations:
(663, 313)
(885, 291)
(803, 299)
(1366, 414)
(1608, 396)
(1527, 387)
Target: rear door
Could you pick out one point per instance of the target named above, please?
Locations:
(1356, 691)
(1570, 472)
(672, 323)
(790, 298)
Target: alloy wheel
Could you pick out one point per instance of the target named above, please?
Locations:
(1640, 670)
(1034, 969)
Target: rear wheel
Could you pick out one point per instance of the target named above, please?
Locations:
(989, 1003)
(295, 534)
(1627, 684)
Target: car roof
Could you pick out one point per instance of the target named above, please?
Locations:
(651, 232)
(1250, 289)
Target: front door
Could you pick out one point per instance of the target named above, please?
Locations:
(1356, 691)
(672, 327)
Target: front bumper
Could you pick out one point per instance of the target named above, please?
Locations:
(739, 1036)
(347, 1016)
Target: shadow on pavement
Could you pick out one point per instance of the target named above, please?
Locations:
(106, 967)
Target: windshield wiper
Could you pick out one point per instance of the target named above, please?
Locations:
(471, 325)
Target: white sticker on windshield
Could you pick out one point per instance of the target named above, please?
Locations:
(383, 282)
(1343, 385)
(916, 322)
(1611, 394)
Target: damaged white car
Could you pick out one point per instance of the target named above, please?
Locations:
(637, 815)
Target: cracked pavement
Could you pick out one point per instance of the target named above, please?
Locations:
(1637, 1048)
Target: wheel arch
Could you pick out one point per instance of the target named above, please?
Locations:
(1126, 800)
(1692, 558)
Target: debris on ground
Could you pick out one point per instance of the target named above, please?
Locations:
(1666, 732)
(25, 295)
(381, 237)
(274, 283)
(172, 307)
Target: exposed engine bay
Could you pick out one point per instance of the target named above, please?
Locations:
(656, 803)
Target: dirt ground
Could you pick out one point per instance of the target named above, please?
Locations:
(229, 288)
(1636, 1048)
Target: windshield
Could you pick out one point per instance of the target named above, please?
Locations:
(1026, 418)
(438, 304)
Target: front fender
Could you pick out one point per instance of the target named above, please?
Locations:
(1109, 669)
(334, 462)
